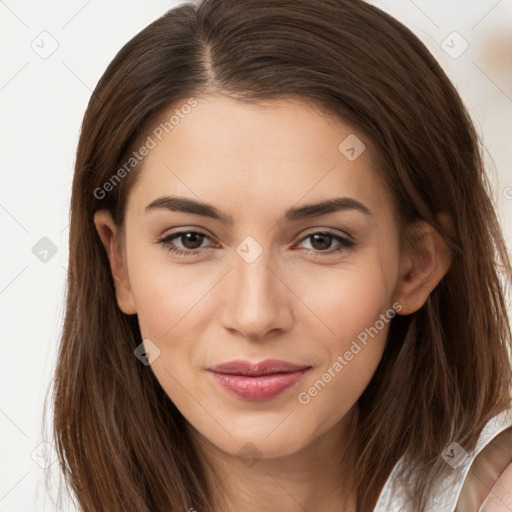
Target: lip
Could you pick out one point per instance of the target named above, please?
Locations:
(257, 381)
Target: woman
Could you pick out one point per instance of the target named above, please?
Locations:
(285, 278)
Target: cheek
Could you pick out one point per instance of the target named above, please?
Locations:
(345, 301)
(355, 308)
(168, 296)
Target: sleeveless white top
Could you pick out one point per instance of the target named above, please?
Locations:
(446, 494)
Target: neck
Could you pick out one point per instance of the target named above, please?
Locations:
(317, 477)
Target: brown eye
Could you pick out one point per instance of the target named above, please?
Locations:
(321, 241)
(190, 241)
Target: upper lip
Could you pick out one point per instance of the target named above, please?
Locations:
(266, 367)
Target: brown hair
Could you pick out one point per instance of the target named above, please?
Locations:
(122, 444)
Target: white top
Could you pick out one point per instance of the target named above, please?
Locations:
(446, 493)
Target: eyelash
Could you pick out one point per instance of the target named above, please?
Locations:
(345, 243)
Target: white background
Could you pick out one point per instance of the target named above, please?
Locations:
(42, 102)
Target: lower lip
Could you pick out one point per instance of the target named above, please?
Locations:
(259, 388)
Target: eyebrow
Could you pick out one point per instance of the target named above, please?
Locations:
(185, 205)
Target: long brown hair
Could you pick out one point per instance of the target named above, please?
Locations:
(121, 442)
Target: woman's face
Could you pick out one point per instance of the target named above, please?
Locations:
(258, 279)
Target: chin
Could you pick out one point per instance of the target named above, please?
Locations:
(261, 445)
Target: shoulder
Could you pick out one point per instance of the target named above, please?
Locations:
(499, 497)
(488, 485)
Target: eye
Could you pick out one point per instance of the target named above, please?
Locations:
(322, 240)
(191, 241)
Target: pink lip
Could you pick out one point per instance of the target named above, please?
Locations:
(259, 381)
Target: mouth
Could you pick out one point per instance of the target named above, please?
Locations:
(257, 381)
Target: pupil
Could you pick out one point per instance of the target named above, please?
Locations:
(190, 237)
(324, 237)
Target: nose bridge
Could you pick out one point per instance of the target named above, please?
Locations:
(254, 302)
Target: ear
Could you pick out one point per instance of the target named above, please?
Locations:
(110, 238)
(422, 266)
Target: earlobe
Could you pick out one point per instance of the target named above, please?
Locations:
(421, 268)
(109, 235)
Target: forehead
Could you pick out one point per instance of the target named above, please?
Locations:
(251, 157)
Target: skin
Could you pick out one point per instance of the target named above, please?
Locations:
(253, 163)
(488, 485)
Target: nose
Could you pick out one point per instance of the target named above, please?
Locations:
(256, 301)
